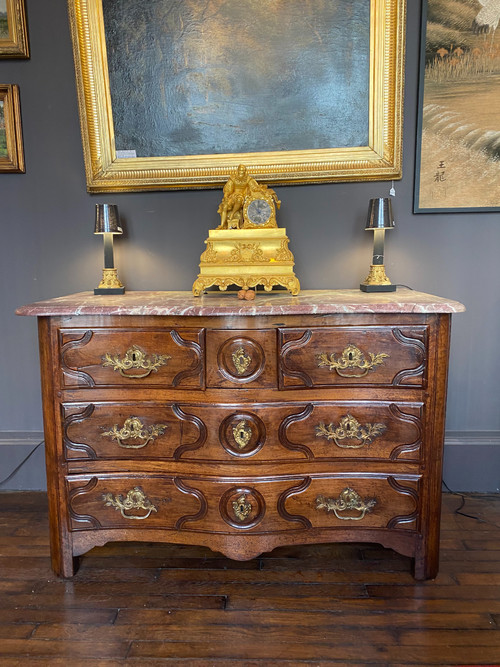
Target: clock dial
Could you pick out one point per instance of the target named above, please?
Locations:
(259, 212)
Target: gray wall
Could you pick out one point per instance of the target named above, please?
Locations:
(49, 250)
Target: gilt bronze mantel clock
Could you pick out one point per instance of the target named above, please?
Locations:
(248, 248)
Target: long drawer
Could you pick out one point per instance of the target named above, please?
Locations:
(247, 505)
(273, 432)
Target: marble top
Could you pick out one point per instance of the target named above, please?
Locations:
(308, 302)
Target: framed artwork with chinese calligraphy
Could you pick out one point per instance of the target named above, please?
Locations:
(458, 138)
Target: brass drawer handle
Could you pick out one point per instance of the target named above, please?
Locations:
(349, 428)
(135, 358)
(241, 508)
(348, 501)
(134, 429)
(241, 360)
(135, 500)
(242, 433)
(351, 357)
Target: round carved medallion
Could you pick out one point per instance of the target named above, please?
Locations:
(242, 507)
(241, 360)
(242, 434)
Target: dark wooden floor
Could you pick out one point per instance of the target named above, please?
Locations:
(160, 604)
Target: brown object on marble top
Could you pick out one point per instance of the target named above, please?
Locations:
(308, 302)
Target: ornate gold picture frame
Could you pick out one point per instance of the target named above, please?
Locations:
(375, 155)
(11, 142)
(13, 31)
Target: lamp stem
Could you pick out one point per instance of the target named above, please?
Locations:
(378, 246)
(108, 251)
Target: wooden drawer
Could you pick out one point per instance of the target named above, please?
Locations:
(353, 356)
(247, 505)
(241, 358)
(232, 433)
(132, 358)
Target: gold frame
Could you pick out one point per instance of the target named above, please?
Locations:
(14, 161)
(16, 46)
(380, 160)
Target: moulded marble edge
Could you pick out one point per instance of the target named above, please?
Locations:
(308, 302)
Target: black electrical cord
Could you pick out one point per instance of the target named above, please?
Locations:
(462, 503)
(18, 467)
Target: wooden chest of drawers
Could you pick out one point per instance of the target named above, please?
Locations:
(244, 426)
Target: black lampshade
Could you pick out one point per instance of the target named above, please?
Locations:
(107, 220)
(380, 214)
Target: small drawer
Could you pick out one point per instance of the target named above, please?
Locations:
(241, 358)
(355, 430)
(353, 356)
(138, 502)
(132, 358)
(345, 501)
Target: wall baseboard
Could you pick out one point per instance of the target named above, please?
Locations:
(15, 447)
(471, 461)
(23, 438)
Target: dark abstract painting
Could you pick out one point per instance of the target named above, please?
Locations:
(192, 77)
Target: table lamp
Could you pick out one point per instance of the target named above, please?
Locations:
(107, 223)
(380, 218)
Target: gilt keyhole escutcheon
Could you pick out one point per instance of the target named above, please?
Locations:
(242, 434)
(241, 360)
(242, 507)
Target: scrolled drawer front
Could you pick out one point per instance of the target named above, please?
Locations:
(294, 432)
(353, 356)
(114, 431)
(357, 501)
(119, 501)
(376, 430)
(132, 358)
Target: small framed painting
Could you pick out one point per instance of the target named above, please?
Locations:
(13, 31)
(458, 138)
(11, 141)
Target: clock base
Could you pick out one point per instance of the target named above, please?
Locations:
(247, 258)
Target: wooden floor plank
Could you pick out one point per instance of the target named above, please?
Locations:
(102, 601)
(444, 637)
(314, 619)
(227, 630)
(89, 650)
(364, 653)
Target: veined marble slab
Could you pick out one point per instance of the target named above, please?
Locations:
(308, 302)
